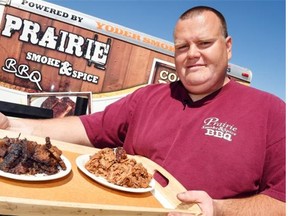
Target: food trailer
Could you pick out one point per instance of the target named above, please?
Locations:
(54, 60)
(47, 49)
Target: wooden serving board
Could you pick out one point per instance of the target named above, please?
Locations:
(77, 194)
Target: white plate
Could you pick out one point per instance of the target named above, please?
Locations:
(40, 177)
(83, 159)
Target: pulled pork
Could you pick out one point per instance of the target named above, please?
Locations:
(117, 168)
(21, 156)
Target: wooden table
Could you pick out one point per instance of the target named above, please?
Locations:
(77, 194)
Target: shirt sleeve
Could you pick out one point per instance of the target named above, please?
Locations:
(109, 127)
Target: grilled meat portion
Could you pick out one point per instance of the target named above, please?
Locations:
(12, 158)
(21, 156)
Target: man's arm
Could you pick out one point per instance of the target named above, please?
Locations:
(261, 205)
(68, 129)
(258, 205)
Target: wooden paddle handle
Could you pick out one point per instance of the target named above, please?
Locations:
(171, 190)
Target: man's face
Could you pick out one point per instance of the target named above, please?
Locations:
(201, 53)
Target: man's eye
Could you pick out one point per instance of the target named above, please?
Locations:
(182, 47)
(204, 44)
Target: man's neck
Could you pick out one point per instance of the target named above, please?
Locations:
(197, 97)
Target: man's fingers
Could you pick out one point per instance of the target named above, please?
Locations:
(201, 198)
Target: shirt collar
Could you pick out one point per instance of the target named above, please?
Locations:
(179, 92)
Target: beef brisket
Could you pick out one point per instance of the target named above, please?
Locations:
(21, 156)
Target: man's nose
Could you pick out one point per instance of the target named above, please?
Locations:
(193, 51)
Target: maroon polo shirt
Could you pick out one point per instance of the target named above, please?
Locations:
(230, 144)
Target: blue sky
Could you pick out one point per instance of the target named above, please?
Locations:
(257, 28)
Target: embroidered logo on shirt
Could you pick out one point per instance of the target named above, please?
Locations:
(214, 127)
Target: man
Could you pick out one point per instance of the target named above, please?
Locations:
(225, 142)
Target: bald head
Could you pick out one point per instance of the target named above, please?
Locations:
(195, 11)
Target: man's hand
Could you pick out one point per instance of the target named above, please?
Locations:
(250, 206)
(201, 198)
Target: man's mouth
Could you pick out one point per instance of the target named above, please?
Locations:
(195, 66)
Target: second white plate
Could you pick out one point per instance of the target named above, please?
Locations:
(83, 159)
